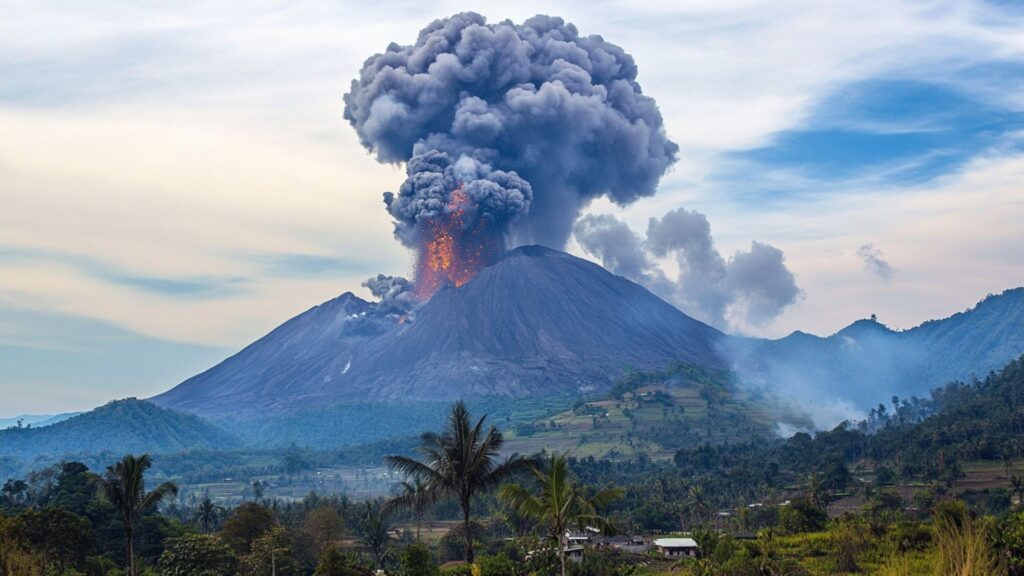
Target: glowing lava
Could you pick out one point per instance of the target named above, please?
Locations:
(452, 252)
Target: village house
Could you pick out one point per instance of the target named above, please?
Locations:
(676, 547)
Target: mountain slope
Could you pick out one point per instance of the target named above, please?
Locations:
(278, 364)
(867, 363)
(120, 427)
(537, 322)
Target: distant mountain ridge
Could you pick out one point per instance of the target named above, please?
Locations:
(36, 420)
(537, 322)
(120, 427)
(866, 362)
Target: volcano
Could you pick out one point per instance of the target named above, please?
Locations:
(538, 321)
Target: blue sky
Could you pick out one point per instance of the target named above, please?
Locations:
(177, 180)
(895, 131)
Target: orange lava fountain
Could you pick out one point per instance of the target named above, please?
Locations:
(451, 253)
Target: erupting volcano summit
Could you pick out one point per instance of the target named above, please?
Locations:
(507, 131)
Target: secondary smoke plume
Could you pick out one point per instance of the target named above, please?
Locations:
(507, 131)
(749, 289)
(394, 295)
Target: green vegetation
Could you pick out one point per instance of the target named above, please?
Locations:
(124, 486)
(923, 487)
(120, 426)
(559, 503)
(657, 413)
(460, 462)
(197, 555)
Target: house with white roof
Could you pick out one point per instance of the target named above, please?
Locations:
(676, 547)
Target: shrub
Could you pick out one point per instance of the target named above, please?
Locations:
(498, 565)
(801, 516)
(849, 538)
(417, 560)
(197, 555)
(334, 563)
(1010, 542)
(909, 536)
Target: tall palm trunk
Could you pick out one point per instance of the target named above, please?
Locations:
(465, 527)
(129, 549)
(561, 555)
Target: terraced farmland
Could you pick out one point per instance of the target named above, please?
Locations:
(657, 414)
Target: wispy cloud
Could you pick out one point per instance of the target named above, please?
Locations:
(895, 131)
(311, 265)
(176, 287)
(874, 262)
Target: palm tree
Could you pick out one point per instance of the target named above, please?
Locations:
(376, 531)
(124, 486)
(560, 503)
(206, 513)
(416, 496)
(459, 462)
(698, 504)
(816, 491)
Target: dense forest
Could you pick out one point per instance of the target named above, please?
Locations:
(120, 426)
(923, 486)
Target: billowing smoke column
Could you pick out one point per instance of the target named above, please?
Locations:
(508, 131)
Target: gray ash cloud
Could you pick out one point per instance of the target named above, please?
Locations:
(534, 120)
(489, 197)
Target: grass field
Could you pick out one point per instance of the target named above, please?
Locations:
(357, 482)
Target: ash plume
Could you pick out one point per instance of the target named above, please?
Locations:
(751, 288)
(514, 128)
(436, 187)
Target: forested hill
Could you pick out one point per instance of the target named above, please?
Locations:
(119, 427)
(978, 420)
